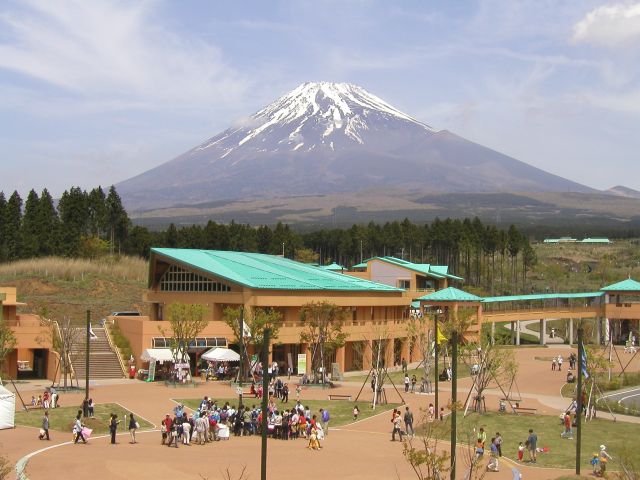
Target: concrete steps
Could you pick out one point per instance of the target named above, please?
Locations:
(103, 362)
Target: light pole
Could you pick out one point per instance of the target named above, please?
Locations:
(282, 249)
(265, 396)
(436, 351)
(581, 365)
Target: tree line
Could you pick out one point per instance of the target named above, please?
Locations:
(82, 224)
(95, 223)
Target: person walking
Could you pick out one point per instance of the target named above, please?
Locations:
(498, 442)
(325, 417)
(532, 444)
(91, 407)
(44, 430)
(431, 413)
(406, 383)
(77, 428)
(356, 412)
(493, 465)
(568, 431)
(408, 421)
(113, 427)
(397, 425)
(560, 361)
(133, 426)
(414, 380)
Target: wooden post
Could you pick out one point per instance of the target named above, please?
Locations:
(454, 400)
(86, 375)
(581, 366)
(263, 408)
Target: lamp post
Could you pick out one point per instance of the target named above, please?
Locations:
(85, 404)
(581, 366)
(436, 351)
(263, 408)
(454, 400)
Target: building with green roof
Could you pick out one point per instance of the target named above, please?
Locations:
(222, 279)
(412, 277)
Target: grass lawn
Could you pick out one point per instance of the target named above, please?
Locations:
(341, 411)
(62, 419)
(514, 429)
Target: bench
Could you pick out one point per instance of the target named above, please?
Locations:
(528, 410)
(333, 396)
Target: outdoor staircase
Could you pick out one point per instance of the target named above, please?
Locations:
(103, 361)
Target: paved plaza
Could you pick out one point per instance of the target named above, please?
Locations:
(361, 450)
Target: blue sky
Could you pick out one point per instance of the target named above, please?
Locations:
(96, 92)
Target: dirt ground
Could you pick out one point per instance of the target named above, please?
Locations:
(361, 450)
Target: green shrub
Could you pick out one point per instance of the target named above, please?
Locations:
(120, 341)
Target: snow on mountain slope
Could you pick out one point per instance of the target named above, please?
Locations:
(324, 138)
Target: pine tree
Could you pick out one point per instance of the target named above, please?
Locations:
(117, 219)
(74, 218)
(48, 225)
(3, 221)
(97, 212)
(13, 219)
(29, 227)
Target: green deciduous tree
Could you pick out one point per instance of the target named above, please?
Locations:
(186, 321)
(255, 320)
(7, 343)
(322, 330)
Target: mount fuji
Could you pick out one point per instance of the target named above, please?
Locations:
(332, 138)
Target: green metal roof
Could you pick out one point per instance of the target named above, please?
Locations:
(541, 296)
(360, 265)
(260, 271)
(628, 285)
(450, 294)
(333, 267)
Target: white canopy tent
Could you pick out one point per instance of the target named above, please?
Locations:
(157, 354)
(220, 354)
(7, 408)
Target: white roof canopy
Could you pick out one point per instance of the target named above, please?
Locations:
(157, 354)
(7, 408)
(220, 354)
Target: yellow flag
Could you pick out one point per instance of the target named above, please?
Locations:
(440, 337)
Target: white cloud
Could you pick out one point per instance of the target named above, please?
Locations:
(114, 52)
(609, 26)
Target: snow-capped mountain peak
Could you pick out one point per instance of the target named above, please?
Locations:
(314, 115)
(326, 138)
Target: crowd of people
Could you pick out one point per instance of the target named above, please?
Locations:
(212, 422)
(49, 399)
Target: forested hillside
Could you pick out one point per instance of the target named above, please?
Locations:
(95, 226)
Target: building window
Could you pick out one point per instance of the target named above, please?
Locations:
(177, 279)
(200, 342)
(404, 284)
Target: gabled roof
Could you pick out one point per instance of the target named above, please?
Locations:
(436, 271)
(628, 285)
(540, 296)
(450, 294)
(334, 267)
(360, 265)
(260, 271)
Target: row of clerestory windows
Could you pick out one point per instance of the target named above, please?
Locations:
(177, 279)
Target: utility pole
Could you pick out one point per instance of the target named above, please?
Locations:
(361, 257)
(86, 375)
(436, 351)
(454, 400)
(581, 366)
(242, 354)
(282, 249)
(263, 408)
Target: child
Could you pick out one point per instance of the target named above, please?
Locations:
(604, 458)
(595, 461)
(314, 443)
(520, 452)
(356, 411)
(298, 390)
